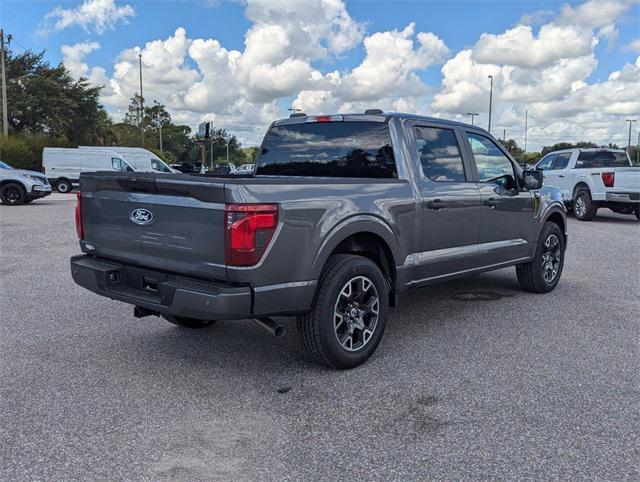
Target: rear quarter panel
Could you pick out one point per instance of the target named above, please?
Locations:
(317, 214)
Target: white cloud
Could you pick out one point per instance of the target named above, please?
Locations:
(96, 15)
(520, 47)
(633, 46)
(74, 55)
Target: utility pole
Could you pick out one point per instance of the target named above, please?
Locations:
(141, 101)
(526, 126)
(630, 121)
(160, 130)
(490, 101)
(638, 151)
(228, 139)
(5, 115)
(293, 110)
(473, 115)
(504, 135)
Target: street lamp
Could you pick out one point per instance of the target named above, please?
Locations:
(473, 115)
(490, 100)
(630, 121)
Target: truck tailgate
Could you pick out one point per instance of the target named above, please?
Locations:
(172, 223)
(627, 179)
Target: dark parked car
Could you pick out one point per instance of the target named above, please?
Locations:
(342, 214)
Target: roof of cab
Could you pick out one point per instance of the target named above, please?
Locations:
(300, 119)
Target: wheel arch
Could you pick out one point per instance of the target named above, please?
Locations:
(4, 182)
(558, 217)
(582, 184)
(365, 236)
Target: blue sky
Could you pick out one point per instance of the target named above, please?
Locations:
(458, 25)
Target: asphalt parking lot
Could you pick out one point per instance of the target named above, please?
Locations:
(512, 385)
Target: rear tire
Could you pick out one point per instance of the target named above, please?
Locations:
(64, 186)
(543, 273)
(191, 323)
(349, 313)
(13, 194)
(584, 208)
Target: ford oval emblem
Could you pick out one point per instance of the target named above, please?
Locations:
(141, 216)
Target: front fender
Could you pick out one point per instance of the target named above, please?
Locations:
(549, 203)
(354, 225)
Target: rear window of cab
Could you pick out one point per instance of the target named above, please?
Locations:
(360, 149)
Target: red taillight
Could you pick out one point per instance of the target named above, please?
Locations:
(608, 178)
(79, 226)
(248, 228)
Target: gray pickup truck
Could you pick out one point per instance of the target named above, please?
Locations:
(343, 213)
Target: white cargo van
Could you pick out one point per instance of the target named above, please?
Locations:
(141, 159)
(62, 165)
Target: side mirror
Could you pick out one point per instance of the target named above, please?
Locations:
(532, 179)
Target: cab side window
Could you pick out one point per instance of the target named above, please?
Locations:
(439, 154)
(546, 162)
(493, 165)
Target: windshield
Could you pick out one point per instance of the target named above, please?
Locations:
(331, 149)
(5, 166)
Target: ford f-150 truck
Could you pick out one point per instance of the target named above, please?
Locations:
(342, 213)
(594, 178)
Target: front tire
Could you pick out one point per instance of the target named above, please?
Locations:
(584, 208)
(349, 313)
(63, 186)
(13, 194)
(192, 323)
(543, 273)
(637, 213)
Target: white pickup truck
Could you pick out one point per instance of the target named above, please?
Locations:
(593, 178)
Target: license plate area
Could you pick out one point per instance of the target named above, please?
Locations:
(143, 284)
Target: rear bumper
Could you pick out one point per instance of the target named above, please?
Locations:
(189, 297)
(623, 197)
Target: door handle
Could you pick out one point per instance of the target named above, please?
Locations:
(491, 202)
(436, 204)
(560, 175)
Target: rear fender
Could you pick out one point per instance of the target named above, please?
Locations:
(349, 227)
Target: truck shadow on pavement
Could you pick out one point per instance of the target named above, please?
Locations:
(420, 312)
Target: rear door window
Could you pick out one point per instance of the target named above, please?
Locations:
(328, 149)
(439, 154)
(595, 159)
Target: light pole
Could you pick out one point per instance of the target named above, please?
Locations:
(473, 115)
(293, 110)
(526, 126)
(490, 101)
(141, 101)
(630, 121)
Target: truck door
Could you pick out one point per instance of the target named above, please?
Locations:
(451, 204)
(559, 173)
(506, 224)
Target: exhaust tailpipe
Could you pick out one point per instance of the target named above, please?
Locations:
(140, 312)
(274, 327)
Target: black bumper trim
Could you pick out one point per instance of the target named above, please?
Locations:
(174, 294)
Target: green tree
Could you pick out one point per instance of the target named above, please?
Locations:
(45, 100)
